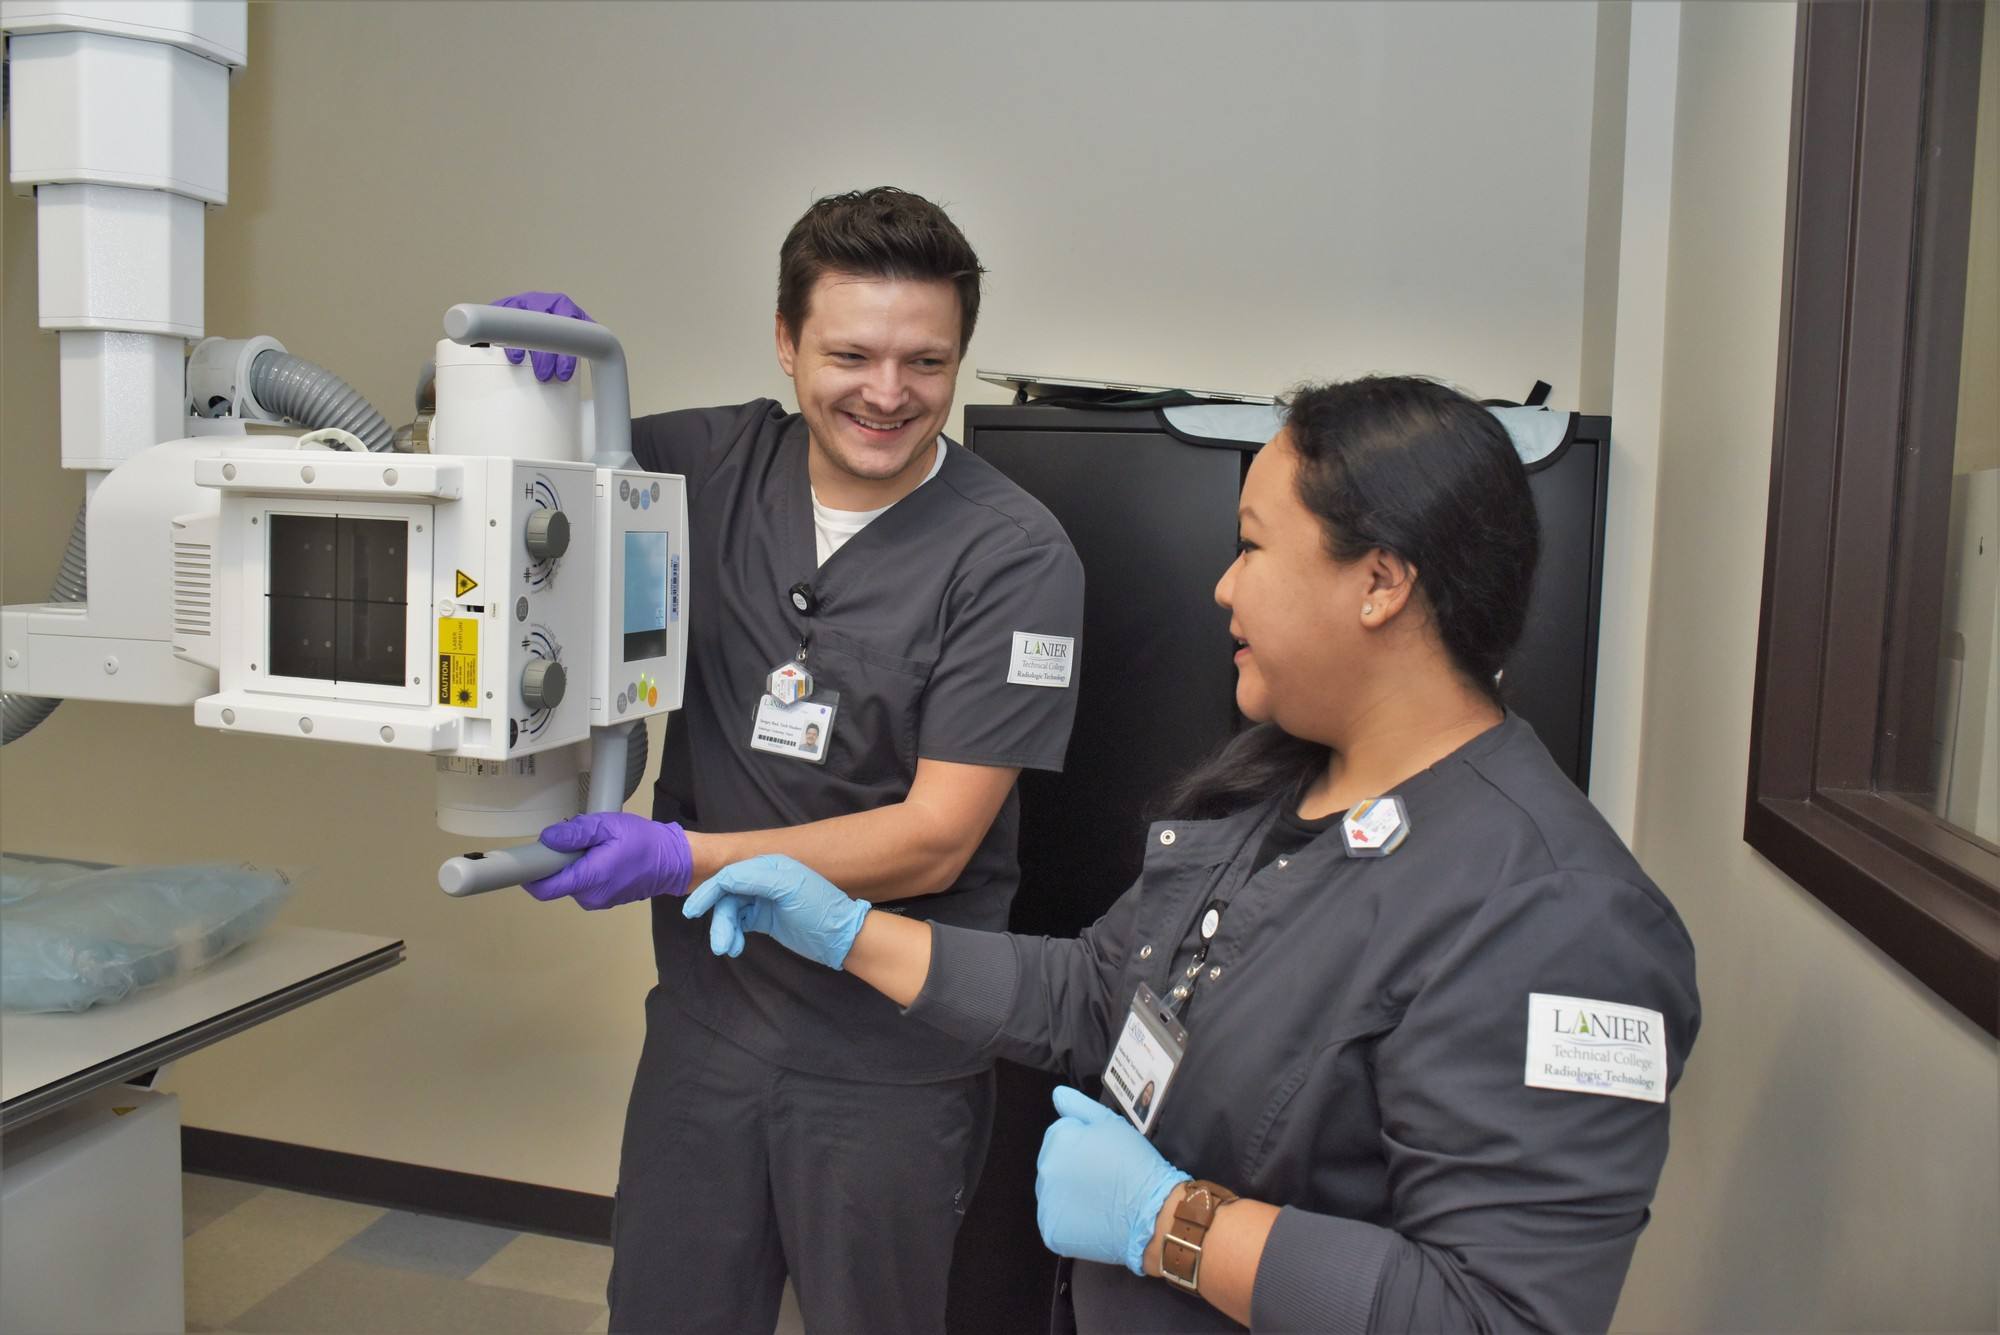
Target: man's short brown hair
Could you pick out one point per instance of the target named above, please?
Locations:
(878, 233)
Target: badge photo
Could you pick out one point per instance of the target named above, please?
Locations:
(1149, 1051)
(802, 730)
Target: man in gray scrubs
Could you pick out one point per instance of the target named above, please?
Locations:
(785, 1120)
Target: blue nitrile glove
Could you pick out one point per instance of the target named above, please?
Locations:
(625, 857)
(789, 901)
(560, 366)
(1099, 1184)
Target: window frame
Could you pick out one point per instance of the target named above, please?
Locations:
(1866, 352)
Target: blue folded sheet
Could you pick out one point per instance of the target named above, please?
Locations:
(73, 937)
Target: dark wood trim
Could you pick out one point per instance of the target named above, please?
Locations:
(1844, 669)
(1936, 346)
(522, 1206)
(1790, 633)
(1870, 388)
(1955, 857)
(1942, 937)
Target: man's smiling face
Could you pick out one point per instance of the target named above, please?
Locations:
(875, 364)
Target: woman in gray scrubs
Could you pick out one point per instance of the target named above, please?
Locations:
(1409, 1009)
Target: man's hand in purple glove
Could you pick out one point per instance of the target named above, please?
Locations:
(547, 364)
(625, 857)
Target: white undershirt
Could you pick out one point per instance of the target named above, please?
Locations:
(832, 528)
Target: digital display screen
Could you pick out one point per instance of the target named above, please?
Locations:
(645, 595)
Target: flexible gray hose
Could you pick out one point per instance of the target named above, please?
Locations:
(23, 713)
(315, 397)
(286, 385)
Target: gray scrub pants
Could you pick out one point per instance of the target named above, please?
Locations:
(736, 1173)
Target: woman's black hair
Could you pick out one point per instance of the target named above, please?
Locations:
(1414, 468)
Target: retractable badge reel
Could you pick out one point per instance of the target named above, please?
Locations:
(795, 717)
(1154, 1042)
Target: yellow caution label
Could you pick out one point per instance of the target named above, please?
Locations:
(458, 661)
(466, 584)
(120, 1112)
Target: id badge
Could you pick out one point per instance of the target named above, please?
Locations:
(802, 729)
(1149, 1051)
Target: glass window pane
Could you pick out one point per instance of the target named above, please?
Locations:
(1941, 746)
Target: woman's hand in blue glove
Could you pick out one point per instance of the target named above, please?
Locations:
(1099, 1184)
(548, 365)
(625, 858)
(787, 900)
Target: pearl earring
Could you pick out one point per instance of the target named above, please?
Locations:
(1367, 609)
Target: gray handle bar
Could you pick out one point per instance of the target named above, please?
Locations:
(467, 323)
(476, 873)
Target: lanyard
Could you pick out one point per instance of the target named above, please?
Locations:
(1211, 923)
(806, 603)
(792, 682)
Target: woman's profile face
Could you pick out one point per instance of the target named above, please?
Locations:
(1291, 608)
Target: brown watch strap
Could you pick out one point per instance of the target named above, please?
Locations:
(1181, 1249)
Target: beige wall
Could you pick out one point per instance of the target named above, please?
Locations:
(1640, 178)
(1834, 1163)
(1219, 195)
(1610, 87)
(1230, 198)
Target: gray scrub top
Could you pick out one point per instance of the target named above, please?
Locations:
(914, 627)
(1361, 1061)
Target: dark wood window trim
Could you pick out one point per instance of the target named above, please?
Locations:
(1867, 381)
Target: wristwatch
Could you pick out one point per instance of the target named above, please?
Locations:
(1180, 1250)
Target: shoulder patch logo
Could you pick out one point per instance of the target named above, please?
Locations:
(1596, 1047)
(1040, 660)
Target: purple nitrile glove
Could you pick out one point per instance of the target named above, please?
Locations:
(547, 365)
(625, 858)
(1099, 1184)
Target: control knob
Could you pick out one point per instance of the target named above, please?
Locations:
(548, 534)
(543, 683)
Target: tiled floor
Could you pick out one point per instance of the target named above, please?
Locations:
(262, 1261)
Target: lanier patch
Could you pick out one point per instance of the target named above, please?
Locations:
(1596, 1047)
(1041, 660)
